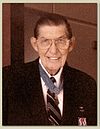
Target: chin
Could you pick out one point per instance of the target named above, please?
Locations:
(53, 70)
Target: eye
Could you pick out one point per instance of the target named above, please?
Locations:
(60, 40)
(45, 40)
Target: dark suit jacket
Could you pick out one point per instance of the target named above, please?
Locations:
(23, 102)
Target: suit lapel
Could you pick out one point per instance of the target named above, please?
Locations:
(34, 96)
(68, 103)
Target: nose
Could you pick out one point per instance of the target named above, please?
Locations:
(53, 48)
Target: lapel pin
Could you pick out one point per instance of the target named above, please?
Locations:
(82, 119)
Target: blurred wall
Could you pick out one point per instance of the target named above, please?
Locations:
(6, 55)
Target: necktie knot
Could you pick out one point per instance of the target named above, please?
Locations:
(53, 79)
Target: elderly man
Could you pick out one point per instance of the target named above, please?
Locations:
(47, 91)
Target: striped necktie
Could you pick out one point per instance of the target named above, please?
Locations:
(53, 110)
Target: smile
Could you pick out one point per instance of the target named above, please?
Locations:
(53, 58)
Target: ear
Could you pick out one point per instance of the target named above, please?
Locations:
(72, 43)
(34, 43)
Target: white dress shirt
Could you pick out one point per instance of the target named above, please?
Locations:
(58, 82)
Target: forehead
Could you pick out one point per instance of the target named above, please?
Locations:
(53, 31)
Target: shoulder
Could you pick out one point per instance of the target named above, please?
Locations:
(17, 77)
(12, 75)
(80, 81)
(21, 68)
(80, 85)
(78, 74)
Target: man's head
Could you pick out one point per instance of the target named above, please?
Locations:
(53, 41)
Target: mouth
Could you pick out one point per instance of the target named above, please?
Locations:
(53, 58)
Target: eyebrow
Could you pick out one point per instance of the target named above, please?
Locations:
(62, 36)
(56, 38)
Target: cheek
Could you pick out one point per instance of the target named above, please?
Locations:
(41, 52)
(64, 58)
